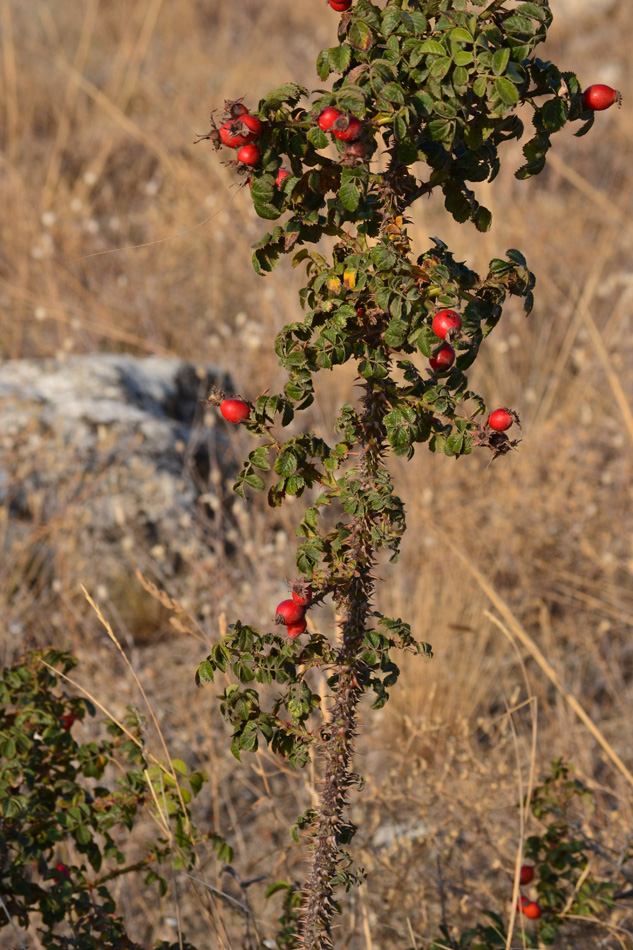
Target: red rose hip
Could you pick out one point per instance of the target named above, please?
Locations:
(445, 320)
(328, 117)
(443, 359)
(281, 174)
(289, 612)
(249, 155)
(526, 874)
(302, 596)
(353, 131)
(600, 97)
(357, 149)
(235, 410)
(294, 629)
(532, 910)
(500, 420)
(232, 133)
(340, 5)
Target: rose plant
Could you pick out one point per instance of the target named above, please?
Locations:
(425, 95)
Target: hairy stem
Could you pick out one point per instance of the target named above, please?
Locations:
(337, 751)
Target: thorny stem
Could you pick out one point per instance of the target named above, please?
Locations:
(337, 751)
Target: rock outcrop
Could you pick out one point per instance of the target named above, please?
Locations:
(109, 463)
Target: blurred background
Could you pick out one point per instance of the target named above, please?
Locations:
(117, 235)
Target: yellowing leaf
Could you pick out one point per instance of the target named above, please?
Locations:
(349, 279)
(334, 284)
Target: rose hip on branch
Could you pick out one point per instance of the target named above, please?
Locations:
(599, 97)
(445, 321)
(328, 117)
(443, 359)
(289, 612)
(502, 419)
(294, 629)
(235, 410)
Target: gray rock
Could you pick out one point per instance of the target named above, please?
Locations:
(108, 463)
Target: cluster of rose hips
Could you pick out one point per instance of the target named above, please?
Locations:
(446, 323)
(348, 129)
(527, 907)
(292, 612)
(239, 131)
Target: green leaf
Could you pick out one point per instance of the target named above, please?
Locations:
(396, 333)
(441, 130)
(391, 19)
(535, 11)
(500, 61)
(463, 58)
(323, 64)
(433, 48)
(519, 24)
(392, 92)
(506, 91)
(256, 482)
(460, 35)
(317, 137)
(441, 66)
(480, 85)
(407, 153)
(350, 195)
(266, 210)
(555, 112)
(286, 463)
(340, 57)
(287, 94)
(82, 835)
(360, 36)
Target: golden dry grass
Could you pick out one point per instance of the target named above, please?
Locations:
(118, 234)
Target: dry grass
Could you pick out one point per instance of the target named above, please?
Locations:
(116, 233)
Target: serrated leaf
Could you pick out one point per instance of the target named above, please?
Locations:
(519, 24)
(349, 278)
(254, 481)
(463, 58)
(440, 130)
(340, 57)
(396, 333)
(392, 92)
(500, 61)
(265, 260)
(407, 153)
(317, 137)
(555, 112)
(289, 94)
(433, 48)
(286, 463)
(533, 10)
(323, 64)
(460, 35)
(480, 85)
(350, 196)
(506, 91)
(391, 19)
(262, 188)
(266, 210)
(360, 36)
